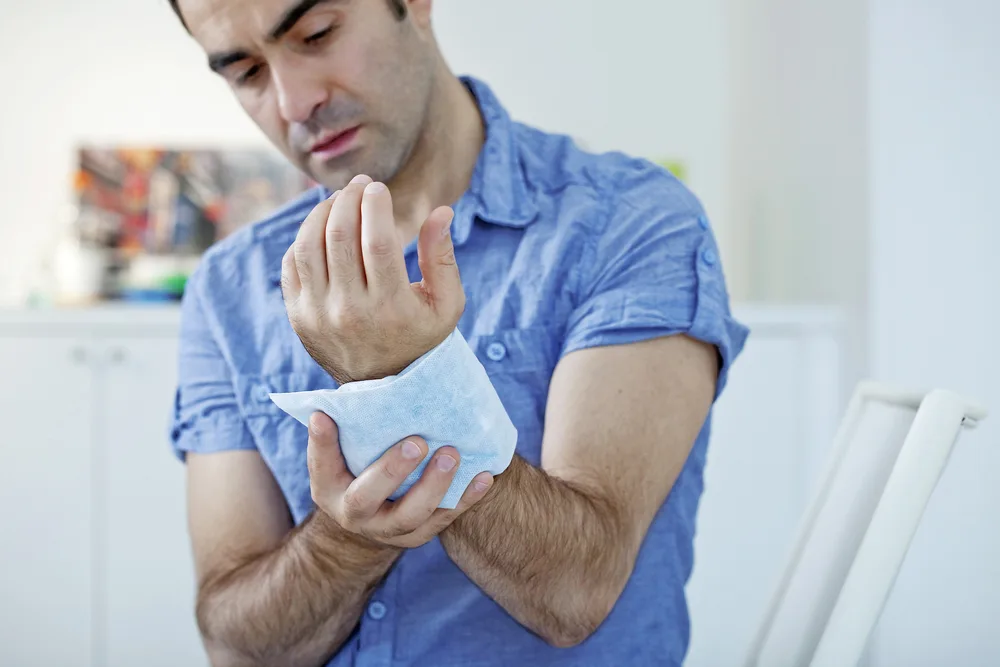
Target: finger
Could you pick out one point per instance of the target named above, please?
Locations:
(310, 250)
(343, 238)
(368, 493)
(442, 284)
(476, 491)
(423, 498)
(329, 476)
(385, 268)
(291, 285)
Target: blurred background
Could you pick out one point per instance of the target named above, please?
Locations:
(848, 153)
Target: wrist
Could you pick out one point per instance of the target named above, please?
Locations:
(331, 536)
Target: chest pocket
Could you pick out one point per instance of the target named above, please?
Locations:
(519, 363)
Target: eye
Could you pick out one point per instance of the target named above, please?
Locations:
(249, 75)
(317, 37)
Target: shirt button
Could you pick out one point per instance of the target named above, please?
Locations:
(377, 610)
(709, 257)
(262, 393)
(496, 352)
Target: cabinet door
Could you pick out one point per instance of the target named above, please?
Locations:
(45, 502)
(149, 581)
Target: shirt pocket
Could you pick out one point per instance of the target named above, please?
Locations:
(520, 363)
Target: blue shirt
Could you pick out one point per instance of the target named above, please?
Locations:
(559, 250)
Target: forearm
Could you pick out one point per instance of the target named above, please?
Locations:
(554, 554)
(294, 605)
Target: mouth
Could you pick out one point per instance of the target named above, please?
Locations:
(334, 144)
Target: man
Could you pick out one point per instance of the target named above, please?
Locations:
(591, 291)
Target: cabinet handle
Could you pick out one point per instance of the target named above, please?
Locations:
(79, 355)
(117, 356)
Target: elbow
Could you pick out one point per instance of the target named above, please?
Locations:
(569, 638)
(209, 618)
(219, 656)
(572, 625)
(570, 633)
(216, 628)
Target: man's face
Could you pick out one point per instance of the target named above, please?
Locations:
(342, 87)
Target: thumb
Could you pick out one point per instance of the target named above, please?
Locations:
(442, 283)
(324, 460)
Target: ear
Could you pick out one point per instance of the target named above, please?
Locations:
(420, 10)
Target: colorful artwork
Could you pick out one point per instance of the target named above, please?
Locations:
(176, 202)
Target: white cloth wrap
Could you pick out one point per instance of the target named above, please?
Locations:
(445, 397)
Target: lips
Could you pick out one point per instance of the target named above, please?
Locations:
(329, 141)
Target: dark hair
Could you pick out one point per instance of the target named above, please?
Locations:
(398, 8)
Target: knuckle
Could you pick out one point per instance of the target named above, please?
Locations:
(350, 311)
(447, 258)
(389, 472)
(302, 266)
(392, 531)
(339, 234)
(353, 506)
(379, 247)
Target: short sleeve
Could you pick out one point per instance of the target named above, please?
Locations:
(206, 417)
(655, 271)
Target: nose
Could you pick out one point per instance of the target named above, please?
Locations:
(299, 94)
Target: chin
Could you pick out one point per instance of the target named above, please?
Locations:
(333, 177)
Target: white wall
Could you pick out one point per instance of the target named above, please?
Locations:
(798, 169)
(935, 308)
(797, 175)
(648, 78)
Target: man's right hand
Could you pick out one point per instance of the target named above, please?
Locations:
(347, 291)
(360, 505)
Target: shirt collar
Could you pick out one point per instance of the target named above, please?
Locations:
(498, 192)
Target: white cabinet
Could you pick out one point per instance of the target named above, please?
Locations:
(149, 579)
(95, 568)
(46, 545)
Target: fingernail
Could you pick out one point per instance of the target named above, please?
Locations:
(411, 450)
(479, 486)
(375, 188)
(445, 463)
(362, 179)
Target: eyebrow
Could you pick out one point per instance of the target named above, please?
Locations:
(218, 62)
(293, 15)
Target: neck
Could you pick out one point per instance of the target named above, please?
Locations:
(440, 168)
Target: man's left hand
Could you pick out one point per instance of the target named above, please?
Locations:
(347, 292)
(361, 506)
